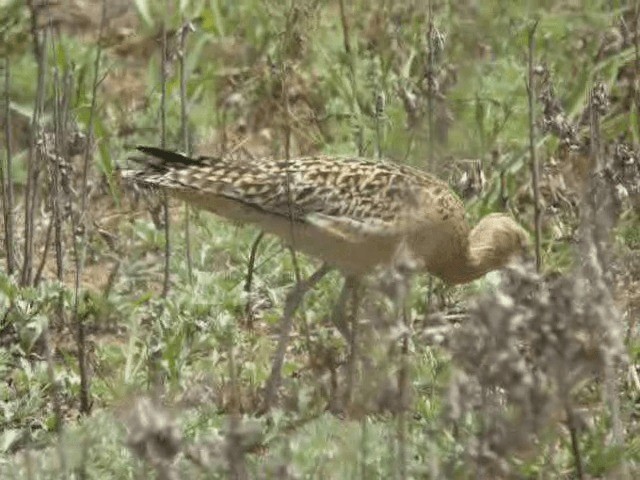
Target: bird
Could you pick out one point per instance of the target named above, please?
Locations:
(352, 213)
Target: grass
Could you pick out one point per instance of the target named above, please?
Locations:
(175, 383)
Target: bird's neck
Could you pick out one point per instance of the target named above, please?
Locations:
(464, 269)
(472, 264)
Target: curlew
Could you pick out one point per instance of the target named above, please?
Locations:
(350, 212)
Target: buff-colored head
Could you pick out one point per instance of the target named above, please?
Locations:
(497, 239)
(493, 243)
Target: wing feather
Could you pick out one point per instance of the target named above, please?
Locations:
(350, 198)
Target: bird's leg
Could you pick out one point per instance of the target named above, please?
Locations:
(249, 279)
(298, 277)
(345, 317)
(352, 285)
(293, 301)
(338, 314)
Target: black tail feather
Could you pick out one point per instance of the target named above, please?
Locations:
(169, 157)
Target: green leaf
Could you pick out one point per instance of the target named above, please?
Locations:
(145, 13)
(9, 438)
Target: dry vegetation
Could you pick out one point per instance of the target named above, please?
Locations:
(136, 334)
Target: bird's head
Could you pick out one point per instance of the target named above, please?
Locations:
(498, 239)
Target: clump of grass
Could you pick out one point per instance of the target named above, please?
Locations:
(524, 357)
(534, 346)
(154, 437)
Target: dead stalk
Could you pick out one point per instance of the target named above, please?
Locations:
(61, 112)
(430, 114)
(80, 229)
(45, 253)
(431, 93)
(403, 388)
(163, 142)
(287, 318)
(61, 135)
(287, 133)
(354, 285)
(379, 109)
(184, 127)
(7, 174)
(346, 38)
(610, 384)
(33, 160)
(575, 444)
(636, 63)
(235, 450)
(291, 207)
(535, 168)
(46, 342)
(364, 448)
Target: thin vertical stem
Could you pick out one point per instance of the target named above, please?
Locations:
(352, 284)
(595, 138)
(403, 387)
(575, 444)
(535, 169)
(61, 117)
(287, 138)
(33, 163)
(636, 64)
(186, 144)
(364, 448)
(80, 230)
(7, 173)
(235, 449)
(351, 63)
(610, 395)
(379, 112)
(430, 114)
(163, 142)
(430, 85)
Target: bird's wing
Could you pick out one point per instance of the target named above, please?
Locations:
(350, 198)
(358, 230)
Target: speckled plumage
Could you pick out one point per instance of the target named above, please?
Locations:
(351, 212)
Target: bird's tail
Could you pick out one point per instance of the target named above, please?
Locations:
(167, 159)
(160, 167)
